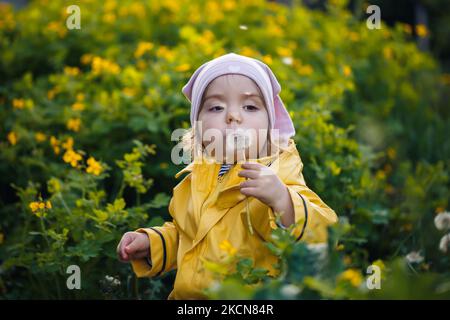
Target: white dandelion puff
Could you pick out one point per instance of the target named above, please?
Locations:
(414, 257)
(444, 244)
(287, 60)
(290, 291)
(442, 221)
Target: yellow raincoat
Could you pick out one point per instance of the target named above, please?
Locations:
(207, 210)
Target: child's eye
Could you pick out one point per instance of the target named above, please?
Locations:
(215, 108)
(251, 107)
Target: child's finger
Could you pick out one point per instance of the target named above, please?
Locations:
(133, 247)
(121, 254)
(248, 184)
(251, 174)
(249, 191)
(252, 165)
(127, 239)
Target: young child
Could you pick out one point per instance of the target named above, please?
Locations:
(209, 206)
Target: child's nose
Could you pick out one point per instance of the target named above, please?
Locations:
(233, 116)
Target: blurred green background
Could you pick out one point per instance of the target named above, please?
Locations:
(85, 140)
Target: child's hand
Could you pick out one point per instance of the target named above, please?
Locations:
(267, 187)
(133, 245)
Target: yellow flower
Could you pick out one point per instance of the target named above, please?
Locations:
(353, 276)
(165, 53)
(74, 124)
(130, 92)
(51, 94)
(86, 58)
(57, 27)
(39, 207)
(347, 70)
(80, 97)
(267, 59)
(421, 30)
(94, 166)
(284, 52)
(380, 264)
(249, 52)
(40, 137)
(165, 79)
(71, 71)
(12, 138)
(142, 48)
(388, 53)
(55, 144)
(109, 18)
(407, 28)
(34, 206)
(68, 144)
(104, 66)
(305, 70)
(354, 36)
(78, 106)
(228, 248)
(183, 67)
(72, 157)
(18, 103)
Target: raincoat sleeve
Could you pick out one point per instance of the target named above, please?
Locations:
(163, 250)
(312, 215)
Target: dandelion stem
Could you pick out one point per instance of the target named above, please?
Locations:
(247, 206)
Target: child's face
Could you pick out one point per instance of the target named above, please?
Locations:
(235, 102)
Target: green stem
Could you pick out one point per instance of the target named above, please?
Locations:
(120, 193)
(44, 232)
(138, 198)
(136, 288)
(64, 203)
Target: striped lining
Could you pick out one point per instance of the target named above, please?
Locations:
(224, 168)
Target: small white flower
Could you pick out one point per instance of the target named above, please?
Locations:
(414, 257)
(290, 291)
(116, 282)
(442, 221)
(444, 244)
(287, 60)
(320, 249)
(243, 27)
(109, 278)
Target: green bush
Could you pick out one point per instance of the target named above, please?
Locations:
(87, 117)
